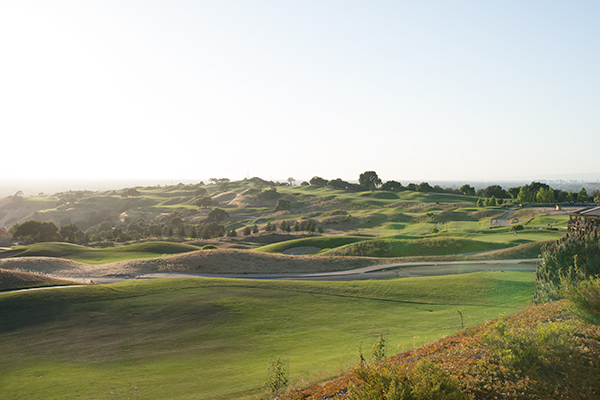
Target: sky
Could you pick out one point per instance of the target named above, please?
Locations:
(414, 90)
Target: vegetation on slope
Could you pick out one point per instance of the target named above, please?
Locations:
(539, 353)
(405, 247)
(90, 255)
(190, 338)
(11, 280)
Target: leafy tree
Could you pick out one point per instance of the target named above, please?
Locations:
(72, 234)
(291, 181)
(545, 195)
(283, 204)
(217, 215)
(310, 226)
(560, 195)
(582, 196)
(176, 221)
(204, 202)
(232, 233)
(35, 231)
(480, 202)
(320, 230)
(200, 192)
(304, 183)
(170, 232)
(570, 196)
(246, 231)
(211, 229)
(131, 192)
(513, 192)
(181, 231)
(534, 187)
(296, 226)
(268, 227)
(369, 180)
(411, 186)
(524, 195)
(269, 194)
(338, 184)
(490, 201)
(255, 229)
(283, 226)
(392, 186)
(424, 187)
(193, 232)
(318, 181)
(467, 190)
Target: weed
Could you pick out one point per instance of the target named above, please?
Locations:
(277, 376)
(378, 349)
(461, 315)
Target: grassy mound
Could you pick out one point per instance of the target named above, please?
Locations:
(414, 247)
(213, 338)
(10, 280)
(322, 242)
(91, 255)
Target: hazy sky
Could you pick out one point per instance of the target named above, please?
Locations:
(431, 90)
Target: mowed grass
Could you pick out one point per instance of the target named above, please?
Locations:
(90, 255)
(213, 338)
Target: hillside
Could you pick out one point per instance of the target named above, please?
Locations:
(213, 338)
(11, 280)
(542, 352)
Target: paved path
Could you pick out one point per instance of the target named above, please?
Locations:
(382, 271)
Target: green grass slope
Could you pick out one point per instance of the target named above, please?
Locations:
(322, 242)
(90, 255)
(435, 246)
(213, 338)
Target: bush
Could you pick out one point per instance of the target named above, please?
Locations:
(423, 382)
(531, 350)
(574, 258)
(584, 297)
(516, 228)
(209, 247)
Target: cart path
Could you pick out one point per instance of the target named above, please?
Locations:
(382, 271)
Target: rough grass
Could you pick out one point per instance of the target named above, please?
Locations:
(502, 359)
(322, 242)
(414, 247)
(209, 338)
(90, 255)
(11, 280)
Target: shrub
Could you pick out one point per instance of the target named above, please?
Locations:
(584, 297)
(516, 228)
(423, 382)
(209, 247)
(576, 257)
(531, 350)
